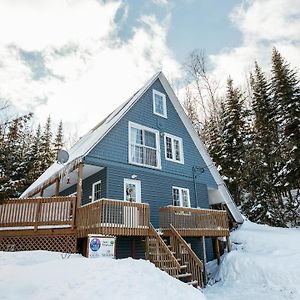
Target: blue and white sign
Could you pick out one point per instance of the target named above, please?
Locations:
(101, 246)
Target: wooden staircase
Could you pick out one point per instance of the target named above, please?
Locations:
(173, 255)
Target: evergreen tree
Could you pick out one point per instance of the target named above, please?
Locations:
(58, 141)
(46, 149)
(261, 202)
(233, 153)
(286, 94)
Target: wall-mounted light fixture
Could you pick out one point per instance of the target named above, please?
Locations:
(133, 176)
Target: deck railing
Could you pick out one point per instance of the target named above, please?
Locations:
(159, 254)
(37, 212)
(194, 221)
(115, 217)
(194, 265)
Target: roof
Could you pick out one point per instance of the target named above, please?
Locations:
(89, 140)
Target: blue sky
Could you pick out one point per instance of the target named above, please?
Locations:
(77, 60)
(202, 24)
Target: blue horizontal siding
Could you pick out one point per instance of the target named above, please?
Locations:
(114, 146)
(129, 247)
(196, 245)
(156, 190)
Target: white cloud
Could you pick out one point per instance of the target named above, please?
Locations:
(263, 24)
(84, 69)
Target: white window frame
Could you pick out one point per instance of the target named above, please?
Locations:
(173, 137)
(164, 115)
(156, 132)
(93, 190)
(180, 195)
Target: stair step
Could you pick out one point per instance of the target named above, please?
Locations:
(183, 267)
(183, 275)
(193, 283)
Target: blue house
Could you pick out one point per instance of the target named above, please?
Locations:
(147, 152)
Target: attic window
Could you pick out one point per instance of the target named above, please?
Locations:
(159, 104)
(144, 147)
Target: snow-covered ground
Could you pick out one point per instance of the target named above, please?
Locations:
(264, 264)
(41, 275)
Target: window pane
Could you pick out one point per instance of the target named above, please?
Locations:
(150, 139)
(137, 154)
(136, 136)
(130, 192)
(177, 149)
(185, 198)
(97, 191)
(176, 201)
(150, 157)
(159, 107)
(169, 148)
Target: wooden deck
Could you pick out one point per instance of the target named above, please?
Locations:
(59, 215)
(194, 221)
(113, 217)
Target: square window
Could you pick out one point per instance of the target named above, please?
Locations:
(181, 197)
(173, 148)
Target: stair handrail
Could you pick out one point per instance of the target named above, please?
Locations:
(194, 264)
(153, 232)
(186, 246)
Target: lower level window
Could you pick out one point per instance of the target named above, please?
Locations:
(181, 197)
(96, 191)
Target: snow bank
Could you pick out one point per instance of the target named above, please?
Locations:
(45, 275)
(264, 265)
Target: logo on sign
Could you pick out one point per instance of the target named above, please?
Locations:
(95, 244)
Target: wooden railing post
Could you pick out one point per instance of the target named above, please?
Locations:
(79, 184)
(57, 186)
(37, 214)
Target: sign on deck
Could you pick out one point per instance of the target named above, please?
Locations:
(101, 246)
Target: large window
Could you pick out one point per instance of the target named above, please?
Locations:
(96, 191)
(159, 104)
(173, 148)
(144, 147)
(181, 197)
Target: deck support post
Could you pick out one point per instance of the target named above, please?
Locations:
(228, 243)
(42, 193)
(57, 186)
(204, 260)
(79, 184)
(217, 249)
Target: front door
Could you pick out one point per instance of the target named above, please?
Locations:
(132, 190)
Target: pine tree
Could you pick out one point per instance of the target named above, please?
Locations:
(261, 203)
(46, 149)
(286, 93)
(58, 141)
(233, 151)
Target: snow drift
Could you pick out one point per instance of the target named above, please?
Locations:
(265, 264)
(45, 275)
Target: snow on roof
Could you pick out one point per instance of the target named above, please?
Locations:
(88, 141)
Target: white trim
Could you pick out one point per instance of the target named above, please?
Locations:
(93, 190)
(155, 92)
(173, 137)
(137, 183)
(157, 140)
(180, 195)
